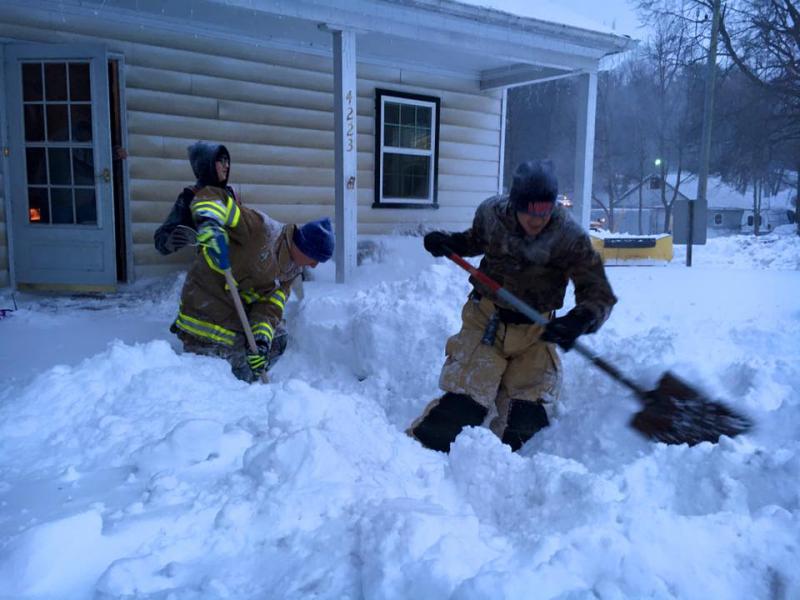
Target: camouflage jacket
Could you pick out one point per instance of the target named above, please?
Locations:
(261, 264)
(537, 269)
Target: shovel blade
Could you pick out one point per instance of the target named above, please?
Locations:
(676, 413)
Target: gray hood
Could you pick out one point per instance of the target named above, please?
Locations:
(202, 156)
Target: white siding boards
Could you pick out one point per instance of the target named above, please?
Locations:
(275, 116)
(271, 100)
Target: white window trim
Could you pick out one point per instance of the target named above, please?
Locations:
(432, 153)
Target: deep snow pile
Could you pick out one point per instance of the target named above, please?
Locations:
(141, 472)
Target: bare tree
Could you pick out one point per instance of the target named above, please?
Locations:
(762, 37)
(670, 52)
(610, 141)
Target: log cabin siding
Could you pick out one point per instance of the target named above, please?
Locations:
(272, 107)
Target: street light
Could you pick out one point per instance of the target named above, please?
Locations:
(657, 162)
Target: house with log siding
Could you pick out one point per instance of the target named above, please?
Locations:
(385, 115)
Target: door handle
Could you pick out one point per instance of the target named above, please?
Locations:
(106, 175)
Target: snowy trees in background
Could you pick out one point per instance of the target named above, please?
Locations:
(649, 110)
(757, 125)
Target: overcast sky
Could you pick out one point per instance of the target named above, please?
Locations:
(615, 14)
(609, 15)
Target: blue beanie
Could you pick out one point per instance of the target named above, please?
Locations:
(315, 239)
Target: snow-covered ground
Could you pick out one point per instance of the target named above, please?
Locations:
(129, 470)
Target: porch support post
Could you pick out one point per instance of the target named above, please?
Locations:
(584, 148)
(345, 101)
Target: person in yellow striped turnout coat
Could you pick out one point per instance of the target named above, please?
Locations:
(265, 257)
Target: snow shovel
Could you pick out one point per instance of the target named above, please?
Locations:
(248, 332)
(673, 413)
(188, 236)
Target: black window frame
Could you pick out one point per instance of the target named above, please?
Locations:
(381, 95)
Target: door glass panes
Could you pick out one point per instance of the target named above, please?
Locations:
(59, 155)
(32, 86)
(61, 205)
(34, 123)
(55, 81)
(36, 160)
(60, 171)
(81, 119)
(38, 205)
(57, 123)
(82, 166)
(79, 90)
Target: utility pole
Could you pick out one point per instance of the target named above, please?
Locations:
(705, 141)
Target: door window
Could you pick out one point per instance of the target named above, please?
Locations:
(57, 109)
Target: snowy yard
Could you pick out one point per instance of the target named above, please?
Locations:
(129, 470)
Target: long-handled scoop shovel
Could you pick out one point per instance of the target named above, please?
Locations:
(673, 413)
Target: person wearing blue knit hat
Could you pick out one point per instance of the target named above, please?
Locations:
(264, 256)
(315, 240)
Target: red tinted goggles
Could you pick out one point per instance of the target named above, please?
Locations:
(539, 209)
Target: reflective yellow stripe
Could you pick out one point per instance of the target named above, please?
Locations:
(233, 214)
(205, 330)
(212, 204)
(264, 329)
(251, 296)
(207, 208)
(278, 298)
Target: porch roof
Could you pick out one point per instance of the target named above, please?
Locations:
(496, 48)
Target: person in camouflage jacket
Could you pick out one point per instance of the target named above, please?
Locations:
(264, 256)
(500, 359)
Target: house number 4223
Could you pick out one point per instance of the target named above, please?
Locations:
(350, 123)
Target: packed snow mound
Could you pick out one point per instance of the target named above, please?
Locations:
(779, 250)
(144, 472)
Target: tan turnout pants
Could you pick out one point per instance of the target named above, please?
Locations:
(518, 366)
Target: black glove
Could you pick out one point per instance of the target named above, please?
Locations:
(435, 242)
(565, 330)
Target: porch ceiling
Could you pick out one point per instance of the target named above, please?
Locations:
(494, 48)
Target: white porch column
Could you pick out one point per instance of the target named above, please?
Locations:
(344, 75)
(584, 148)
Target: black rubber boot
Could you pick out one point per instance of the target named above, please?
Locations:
(524, 419)
(440, 427)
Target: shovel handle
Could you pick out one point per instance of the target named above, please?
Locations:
(527, 310)
(237, 301)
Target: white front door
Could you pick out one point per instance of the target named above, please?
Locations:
(62, 212)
